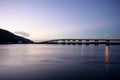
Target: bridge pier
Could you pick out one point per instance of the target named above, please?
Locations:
(107, 42)
(96, 41)
(87, 41)
(80, 41)
(74, 41)
(68, 41)
(62, 41)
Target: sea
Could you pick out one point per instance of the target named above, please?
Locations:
(59, 62)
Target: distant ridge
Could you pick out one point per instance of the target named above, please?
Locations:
(7, 37)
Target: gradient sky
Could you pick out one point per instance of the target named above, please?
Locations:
(49, 19)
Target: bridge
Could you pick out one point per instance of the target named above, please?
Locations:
(81, 41)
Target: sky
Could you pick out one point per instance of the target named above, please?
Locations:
(58, 19)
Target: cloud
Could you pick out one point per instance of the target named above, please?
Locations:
(21, 33)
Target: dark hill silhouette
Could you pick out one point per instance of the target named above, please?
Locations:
(7, 37)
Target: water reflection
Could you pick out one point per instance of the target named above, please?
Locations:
(106, 56)
(59, 62)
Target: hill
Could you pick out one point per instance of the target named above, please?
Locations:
(7, 37)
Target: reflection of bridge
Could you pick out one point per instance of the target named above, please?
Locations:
(82, 41)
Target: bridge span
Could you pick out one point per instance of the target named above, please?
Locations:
(82, 41)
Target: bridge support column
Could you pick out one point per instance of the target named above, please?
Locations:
(55, 42)
(96, 41)
(87, 41)
(68, 41)
(107, 41)
(73, 41)
(63, 41)
(79, 41)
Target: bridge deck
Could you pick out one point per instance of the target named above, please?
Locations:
(80, 41)
(89, 39)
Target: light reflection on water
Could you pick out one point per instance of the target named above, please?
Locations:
(59, 62)
(106, 56)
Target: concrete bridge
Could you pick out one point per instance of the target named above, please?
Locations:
(82, 41)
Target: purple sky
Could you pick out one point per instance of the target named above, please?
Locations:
(49, 19)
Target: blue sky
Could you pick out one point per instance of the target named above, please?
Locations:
(49, 19)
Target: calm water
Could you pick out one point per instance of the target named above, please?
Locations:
(59, 62)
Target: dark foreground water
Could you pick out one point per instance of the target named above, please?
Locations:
(59, 62)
